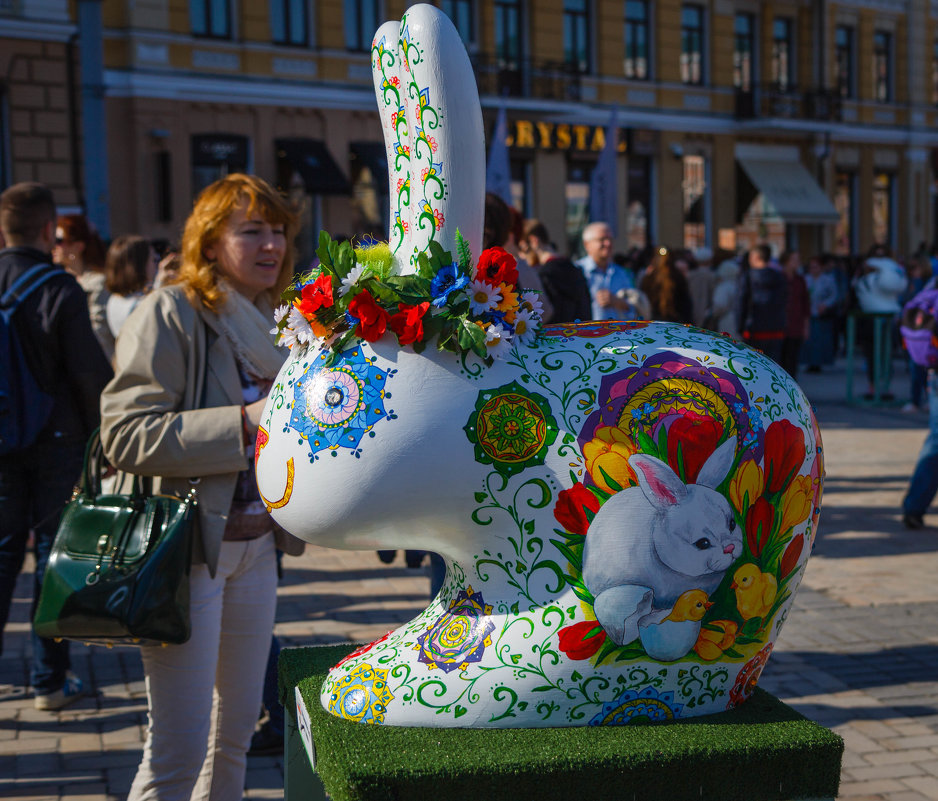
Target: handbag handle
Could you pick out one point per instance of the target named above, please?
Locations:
(94, 468)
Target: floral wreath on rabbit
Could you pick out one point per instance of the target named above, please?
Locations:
(768, 499)
(357, 292)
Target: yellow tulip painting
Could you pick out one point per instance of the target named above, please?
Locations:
(608, 453)
(747, 485)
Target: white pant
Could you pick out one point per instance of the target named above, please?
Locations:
(205, 695)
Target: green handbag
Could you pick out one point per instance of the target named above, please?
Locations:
(118, 573)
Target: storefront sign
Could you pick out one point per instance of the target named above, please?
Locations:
(209, 150)
(539, 135)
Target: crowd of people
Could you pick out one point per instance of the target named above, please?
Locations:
(169, 351)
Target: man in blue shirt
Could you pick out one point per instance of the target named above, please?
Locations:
(607, 280)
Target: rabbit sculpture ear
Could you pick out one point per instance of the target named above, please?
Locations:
(658, 481)
(433, 134)
(718, 465)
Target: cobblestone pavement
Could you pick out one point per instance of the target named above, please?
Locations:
(859, 652)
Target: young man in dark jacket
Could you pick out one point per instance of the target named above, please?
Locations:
(761, 303)
(66, 361)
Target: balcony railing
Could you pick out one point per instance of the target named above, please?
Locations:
(791, 102)
(547, 80)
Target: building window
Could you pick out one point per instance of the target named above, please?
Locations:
(636, 39)
(216, 155)
(577, 203)
(638, 226)
(695, 201)
(288, 22)
(692, 43)
(783, 52)
(744, 51)
(843, 60)
(508, 34)
(520, 186)
(883, 196)
(462, 13)
(576, 34)
(844, 201)
(882, 66)
(5, 177)
(210, 18)
(934, 73)
(362, 18)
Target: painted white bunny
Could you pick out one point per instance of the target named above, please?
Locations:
(650, 544)
(502, 468)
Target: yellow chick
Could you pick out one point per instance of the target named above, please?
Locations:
(691, 605)
(755, 591)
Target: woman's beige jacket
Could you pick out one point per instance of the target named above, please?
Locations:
(154, 421)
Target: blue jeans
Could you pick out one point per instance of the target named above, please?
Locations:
(924, 483)
(35, 485)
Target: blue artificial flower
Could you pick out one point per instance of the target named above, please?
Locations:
(445, 282)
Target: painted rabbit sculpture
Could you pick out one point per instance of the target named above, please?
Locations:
(625, 508)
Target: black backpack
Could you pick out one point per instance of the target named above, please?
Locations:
(24, 406)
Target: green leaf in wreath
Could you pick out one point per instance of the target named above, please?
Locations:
(424, 269)
(732, 653)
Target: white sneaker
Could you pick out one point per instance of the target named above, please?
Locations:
(71, 691)
(909, 408)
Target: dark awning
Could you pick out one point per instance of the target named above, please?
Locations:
(789, 188)
(373, 156)
(311, 159)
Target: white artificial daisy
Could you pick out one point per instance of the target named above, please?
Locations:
(287, 338)
(533, 301)
(483, 297)
(348, 283)
(300, 326)
(279, 313)
(526, 325)
(497, 341)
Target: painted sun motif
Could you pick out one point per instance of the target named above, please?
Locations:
(335, 407)
(460, 635)
(363, 695)
(511, 428)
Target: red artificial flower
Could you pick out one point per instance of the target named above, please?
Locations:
(759, 525)
(791, 556)
(571, 507)
(497, 266)
(408, 322)
(315, 296)
(577, 642)
(784, 454)
(697, 436)
(372, 319)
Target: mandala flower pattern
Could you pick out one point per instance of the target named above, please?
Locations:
(511, 428)
(748, 677)
(632, 706)
(362, 696)
(460, 635)
(334, 407)
(670, 389)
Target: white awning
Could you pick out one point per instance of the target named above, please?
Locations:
(788, 187)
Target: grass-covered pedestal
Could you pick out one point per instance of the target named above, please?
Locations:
(761, 751)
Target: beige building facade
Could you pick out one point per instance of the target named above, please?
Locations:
(807, 124)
